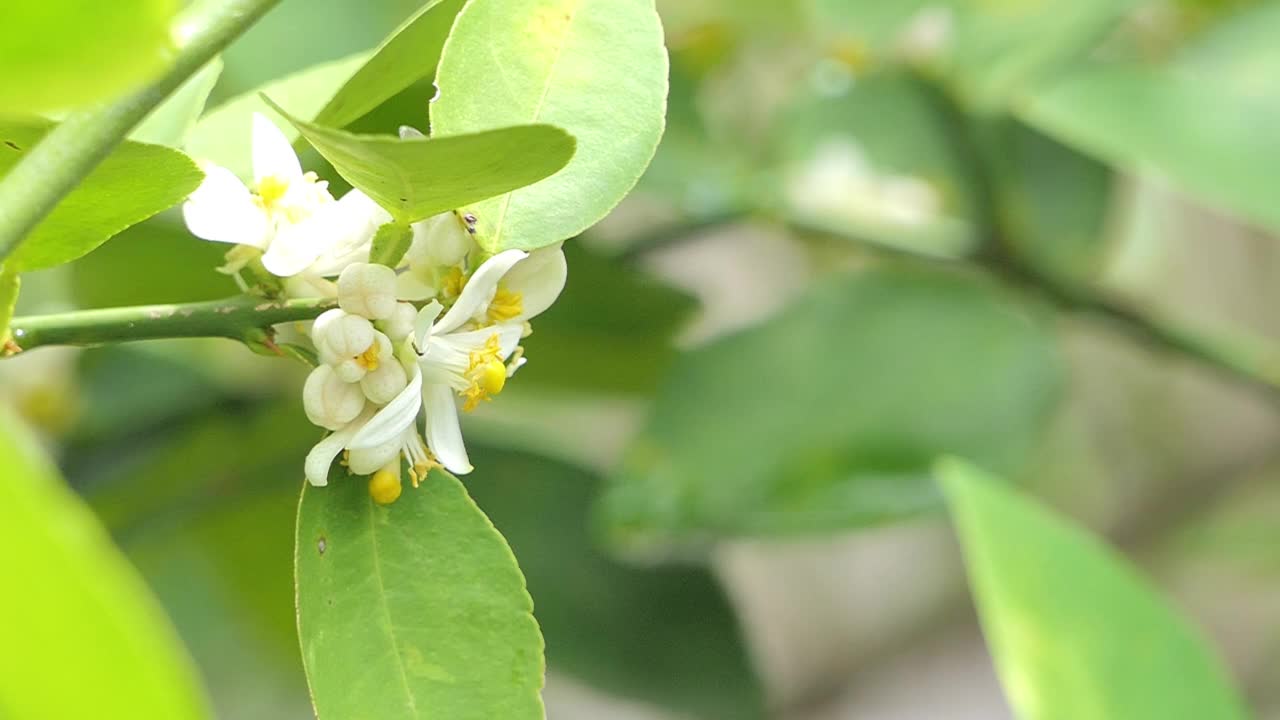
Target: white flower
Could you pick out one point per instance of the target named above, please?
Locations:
(367, 290)
(440, 245)
(288, 214)
(329, 401)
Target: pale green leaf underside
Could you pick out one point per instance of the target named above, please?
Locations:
(597, 68)
(1075, 632)
(59, 54)
(175, 118)
(406, 56)
(414, 610)
(390, 244)
(222, 136)
(135, 182)
(1205, 119)
(830, 415)
(84, 637)
(416, 178)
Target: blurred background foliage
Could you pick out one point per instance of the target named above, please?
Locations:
(862, 245)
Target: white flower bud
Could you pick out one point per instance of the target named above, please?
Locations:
(329, 402)
(384, 383)
(439, 241)
(339, 336)
(364, 461)
(351, 371)
(368, 290)
(400, 325)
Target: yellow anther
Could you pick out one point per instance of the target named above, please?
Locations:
(270, 190)
(384, 486)
(486, 373)
(506, 305)
(369, 358)
(453, 282)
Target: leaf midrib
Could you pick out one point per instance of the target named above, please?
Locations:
(386, 612)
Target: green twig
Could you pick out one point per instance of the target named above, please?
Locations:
(72, 149)
(242, 318)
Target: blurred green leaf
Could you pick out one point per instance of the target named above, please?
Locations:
(415, 178)
(662, 635)
(598, 69)
(1074, 631)
(59, 54)
(9, 286)
(390, 244)
(410, 54)
(830, 415)
(1206, 119)
(416, 609)
(81, 615)
(135, 182)
(171, 266)
(222, 136)
(611, 329)
(1054, 201)
(175, 118)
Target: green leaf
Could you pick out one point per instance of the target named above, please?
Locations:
(830, 415)
(410, 54)
(1206, 119)
(415, 178)
(663, 635)
(222, 136)
(413, 610)
(597, 68)
(90, 641)
(135, 182)
(612, 328)
(175, 118)
(59, 54)
(390, 244)
(1075, 632)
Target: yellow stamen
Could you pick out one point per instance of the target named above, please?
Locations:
(369, 358)
(453, 282)
(422, 468)
(270, 190)
(384, 485)
(506, 305)
(486, 373)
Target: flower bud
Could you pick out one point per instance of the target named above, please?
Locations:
(384, 383)
(329, 402)
(351, 371)
(339, 336)
(400, 325)
(367, 290)
(439, 241)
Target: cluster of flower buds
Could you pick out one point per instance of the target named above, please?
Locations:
(438, 334)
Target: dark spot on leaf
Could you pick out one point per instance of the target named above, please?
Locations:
(322, 544)
(13, 145)
(404, 199)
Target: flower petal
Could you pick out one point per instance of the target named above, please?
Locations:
(422, 326)
(539, 280)
(334, 231)
(356, 218)
(273, 156)
(321, 456)
(410, 286)
(444, 436)
(223, 210)
(391, 421)
(479, 290)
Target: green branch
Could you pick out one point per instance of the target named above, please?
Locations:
(77, 145)
(242, 318)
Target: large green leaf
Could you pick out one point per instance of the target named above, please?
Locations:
(175, 118)
(410, 54)
(413, 610)
(415, 178)
(597, 68)
(664, 635)
(135, 182)
(611, 329)
(80, 617)
(1206, 119)
(829, 416)
(1074, 631)
(58, 54)
(222, 136)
